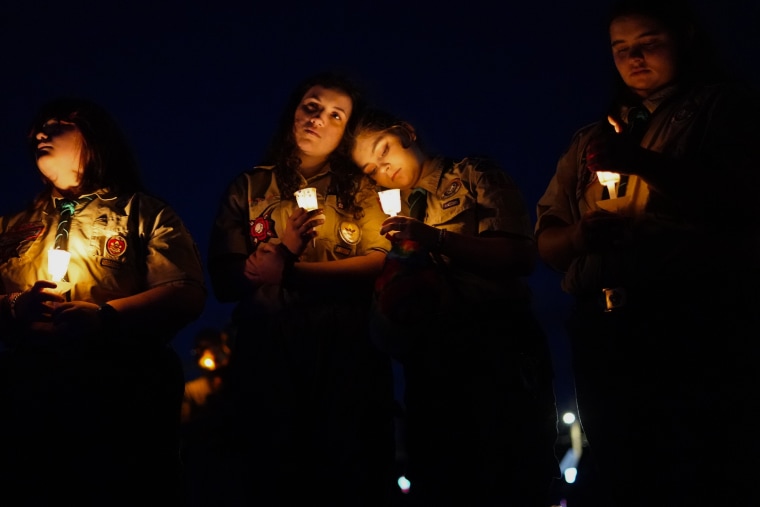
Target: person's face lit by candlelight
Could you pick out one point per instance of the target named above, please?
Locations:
(320, 121)
(390, 157)
(645, 53)
(59, 153)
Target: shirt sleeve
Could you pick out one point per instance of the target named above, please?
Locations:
(230, 230)
(172, 254)
(559, 199)
(500, 201)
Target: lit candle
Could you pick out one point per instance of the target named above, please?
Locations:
(609, 180)
(307, 199)
(58, 263)
(390, 200)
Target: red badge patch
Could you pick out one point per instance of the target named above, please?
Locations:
(262, 228)
(116, 246)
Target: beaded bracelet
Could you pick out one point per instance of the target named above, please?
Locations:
(12, 303)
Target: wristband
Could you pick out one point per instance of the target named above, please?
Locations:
(289, 256)
(12, 303)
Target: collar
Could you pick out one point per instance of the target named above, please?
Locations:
(432, 171)
(103, 194)
(653, 101)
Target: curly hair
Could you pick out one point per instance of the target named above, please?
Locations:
(283, 152)
(107, 159)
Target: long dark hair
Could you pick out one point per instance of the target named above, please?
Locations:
(107, 159)
(374, 120)
(283, 152)
(698, 60)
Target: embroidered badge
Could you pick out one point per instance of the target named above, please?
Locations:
(116, 246)
(350, 232)
(685, 113)
(11, 241)
(452, 189)
(262, 229)
(451, 203)
(342, 250)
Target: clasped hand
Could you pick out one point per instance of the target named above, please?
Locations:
(266, 264)
(399, 228)
(613, 151)
(600, 231)
(40, 304)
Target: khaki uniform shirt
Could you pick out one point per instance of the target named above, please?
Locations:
(119, 246)
(253, 212)
(475, 197)
(672, 237)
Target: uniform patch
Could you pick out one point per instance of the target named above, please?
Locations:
(685, 113)
(10, 242)
(452, 189)
(110, 263)
(262, 229)
(116, 246)
(451, 203)
(350, 232)
(342, 250)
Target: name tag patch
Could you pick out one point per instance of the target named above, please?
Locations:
(451, 203)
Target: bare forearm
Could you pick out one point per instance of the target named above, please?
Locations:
(557, 246)
(170, 306)
(363, 266)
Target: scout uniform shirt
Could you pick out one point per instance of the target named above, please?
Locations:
(667, 239)
(253, 212)
(475, 197)
(119, 246)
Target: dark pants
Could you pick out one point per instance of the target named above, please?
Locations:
(91, 428)
(481, 415)
(312, 411)
(667, 388)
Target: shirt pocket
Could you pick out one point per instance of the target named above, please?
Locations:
(461, 208)
(339, 236)
(116, 254)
